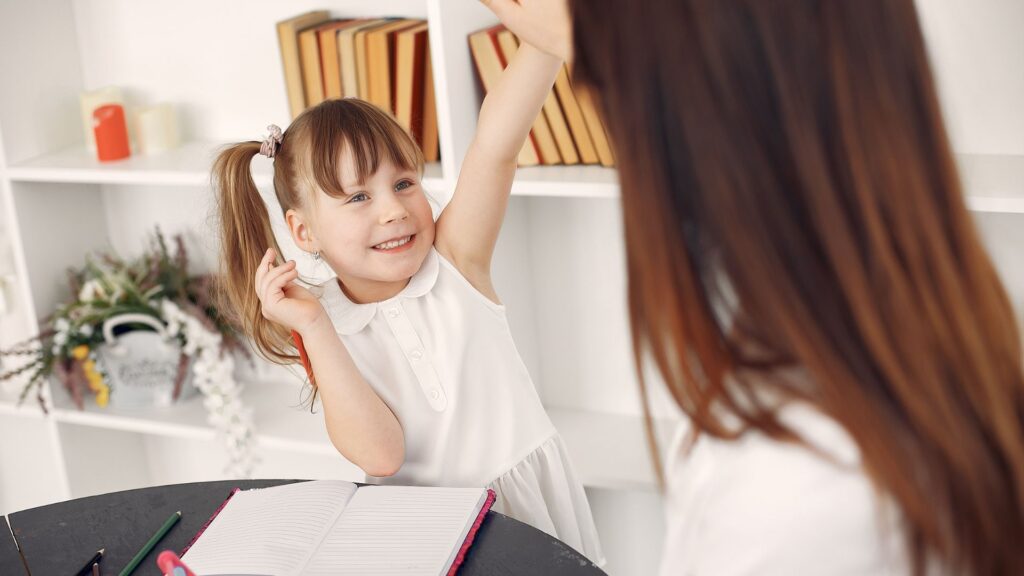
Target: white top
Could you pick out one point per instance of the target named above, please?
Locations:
(761, 507)
(441, 355)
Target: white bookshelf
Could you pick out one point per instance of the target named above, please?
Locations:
(560, 265)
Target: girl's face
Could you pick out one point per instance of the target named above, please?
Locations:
(377, 237)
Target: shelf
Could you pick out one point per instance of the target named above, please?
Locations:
(608, 450)
(567, 181)
(188, 165)
(279, 422)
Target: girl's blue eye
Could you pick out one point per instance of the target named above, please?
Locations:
(407, 183)
(356, 197)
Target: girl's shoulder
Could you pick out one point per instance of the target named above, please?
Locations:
(476, 280)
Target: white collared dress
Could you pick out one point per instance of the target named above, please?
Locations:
(441, 355)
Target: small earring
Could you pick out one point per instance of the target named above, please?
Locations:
(316, 256)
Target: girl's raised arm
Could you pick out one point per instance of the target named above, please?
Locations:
(467, 230)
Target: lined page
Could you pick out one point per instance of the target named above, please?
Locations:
(269, 530)
(398, 530)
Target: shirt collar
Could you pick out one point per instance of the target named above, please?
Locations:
(350, 318)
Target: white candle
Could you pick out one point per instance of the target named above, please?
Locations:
(156, 129)
(90, 101)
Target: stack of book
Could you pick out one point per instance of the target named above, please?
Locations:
(568, 130)
(384, 61)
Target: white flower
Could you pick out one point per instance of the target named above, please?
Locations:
(91, 291)
(60, 338)
(85, 330)
(61, 325)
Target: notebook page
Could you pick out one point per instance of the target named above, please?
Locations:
(269, 530)
(398, 530)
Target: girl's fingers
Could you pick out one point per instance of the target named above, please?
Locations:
(281, 282)
(265, 264)
(274, 273)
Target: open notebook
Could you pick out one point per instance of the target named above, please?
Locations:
(334, 528)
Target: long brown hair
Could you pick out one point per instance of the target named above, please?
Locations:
(787, 167)
(306, 163)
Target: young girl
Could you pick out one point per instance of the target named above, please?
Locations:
(410, 348)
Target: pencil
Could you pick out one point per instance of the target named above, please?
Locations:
(141, 554)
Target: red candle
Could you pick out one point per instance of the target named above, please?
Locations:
(111, 132)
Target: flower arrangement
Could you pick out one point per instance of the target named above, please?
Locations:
(158, 286)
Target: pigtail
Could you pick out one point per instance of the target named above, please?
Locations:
(246, 234)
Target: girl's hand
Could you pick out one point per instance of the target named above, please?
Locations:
(543, 23)
(283, 302)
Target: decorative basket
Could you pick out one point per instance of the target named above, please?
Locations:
(140, 366)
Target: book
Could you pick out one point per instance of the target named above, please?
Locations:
(551, 111)
(410, 79)
(362, 60)
(574, 117)
(333, 527)
(547, 150)
(347, 56)
(288, 40)
(380, 54)
(312, 71)
(489, 67)
(596, 129)
(430, 145)
(330, 61)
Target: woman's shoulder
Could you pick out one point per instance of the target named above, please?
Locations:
(757, 505)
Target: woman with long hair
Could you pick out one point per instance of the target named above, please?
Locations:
(806, 277)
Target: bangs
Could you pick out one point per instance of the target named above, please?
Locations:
(370, 134)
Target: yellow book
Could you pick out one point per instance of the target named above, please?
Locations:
(574, 117)
(431, 151)
(312, 72)
(380, 55)
(596, 128)
(362, 58)
(347, 56)
(288, 39)
(330, 63)
(410, 61)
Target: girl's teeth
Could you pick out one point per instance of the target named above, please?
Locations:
(393, 243)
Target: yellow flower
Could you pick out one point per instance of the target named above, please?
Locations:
(103, 396)
(80, 352)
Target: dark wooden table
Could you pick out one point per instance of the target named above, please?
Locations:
(58, 539)
(10, 560)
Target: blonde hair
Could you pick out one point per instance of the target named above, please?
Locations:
(307, 161)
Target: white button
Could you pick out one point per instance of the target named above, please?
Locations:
(416, 354)
(435, 394)
(393, 312)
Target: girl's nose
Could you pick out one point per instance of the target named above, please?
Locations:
(392, 210)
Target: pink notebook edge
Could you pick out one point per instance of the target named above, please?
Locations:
(461, 556)
(208, 522)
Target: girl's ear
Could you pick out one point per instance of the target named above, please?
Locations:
(300, 230)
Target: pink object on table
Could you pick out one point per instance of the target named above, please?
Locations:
(168, 561)
(111, 131)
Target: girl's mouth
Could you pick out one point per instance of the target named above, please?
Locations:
(396, 245)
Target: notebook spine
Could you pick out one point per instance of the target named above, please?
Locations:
(461, 556)
(207, 524)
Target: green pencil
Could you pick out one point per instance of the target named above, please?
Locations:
(151, 544)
